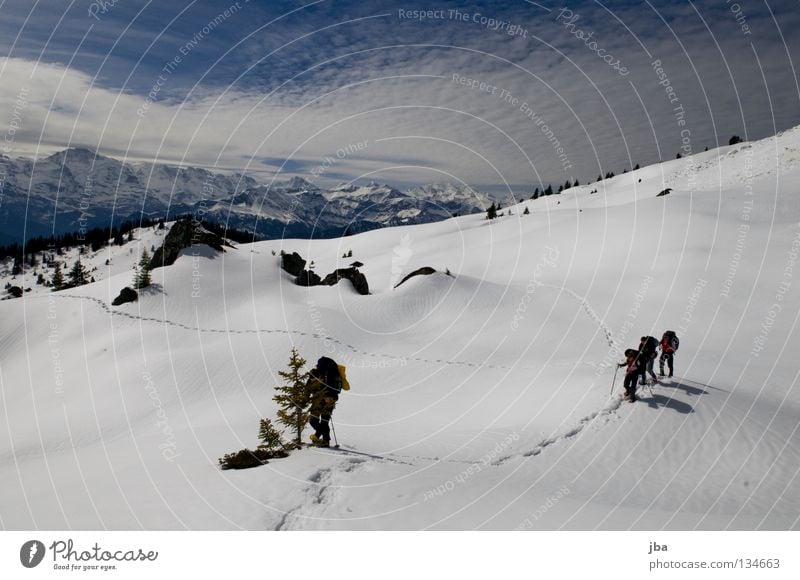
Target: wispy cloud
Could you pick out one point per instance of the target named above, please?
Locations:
(282, 86)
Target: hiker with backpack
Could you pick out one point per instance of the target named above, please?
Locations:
(669, 344)
(636, 365)
(325, 382)
(648, 347)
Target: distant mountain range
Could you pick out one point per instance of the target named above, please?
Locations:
(77, 188)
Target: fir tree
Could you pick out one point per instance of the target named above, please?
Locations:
(637, 167)
(293, 397)
(141, 277)
(491, 213)
(549, 190)
(270, 437)
(78, 275)
(57, 281)
(527, 211)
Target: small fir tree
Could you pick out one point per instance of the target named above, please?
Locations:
(292, 397)
(57, 281)
(78, 275)
(270, 437)
(141, 277)
(491, 212)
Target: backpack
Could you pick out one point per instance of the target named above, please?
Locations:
(343, 377)
(331, 374)
(650, 345)
(671, 339)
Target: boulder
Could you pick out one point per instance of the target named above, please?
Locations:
(307, 278)
(358, 279)
(293, 263)
(127, 294)
(424, 271)
(184, 234)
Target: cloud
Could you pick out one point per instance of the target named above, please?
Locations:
(457, 97)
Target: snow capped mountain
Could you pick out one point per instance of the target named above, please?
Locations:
(78, 189)
(488, 399)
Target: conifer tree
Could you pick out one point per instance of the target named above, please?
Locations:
(293, 397)
(57, 281)
(141, 276)
(491, 212)
(270, 437)
(527, 211)
(78, 275)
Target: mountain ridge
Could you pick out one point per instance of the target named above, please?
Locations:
(77, 189)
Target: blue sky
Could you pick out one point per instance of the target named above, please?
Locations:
(431, 94)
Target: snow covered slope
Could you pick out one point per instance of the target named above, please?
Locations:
(481, 400)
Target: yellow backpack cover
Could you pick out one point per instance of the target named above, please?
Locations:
(343, 375)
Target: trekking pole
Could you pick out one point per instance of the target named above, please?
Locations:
(333, 429)
(613, 382)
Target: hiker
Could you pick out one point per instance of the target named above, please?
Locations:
(324, 384)
(669, 344)
(636, 365)
(648, 347)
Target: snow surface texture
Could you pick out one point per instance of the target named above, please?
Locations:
(478, 401)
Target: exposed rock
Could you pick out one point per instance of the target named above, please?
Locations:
(293, 263)
(184, 234)
(357, 278)
(664, 192)
(424, 271)
(307, 278)
(127, 294)
(15, 292)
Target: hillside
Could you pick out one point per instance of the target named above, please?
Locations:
(481, 400)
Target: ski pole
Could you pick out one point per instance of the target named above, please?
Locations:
(616, 368)
(333, 429)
